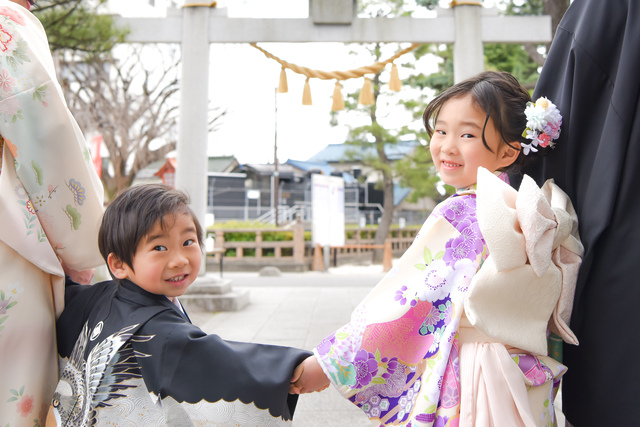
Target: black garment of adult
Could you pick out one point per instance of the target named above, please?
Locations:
(137, 344)
(592, 74)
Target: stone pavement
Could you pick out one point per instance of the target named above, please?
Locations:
(298, 310)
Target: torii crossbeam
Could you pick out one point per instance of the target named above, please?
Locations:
(466, 24)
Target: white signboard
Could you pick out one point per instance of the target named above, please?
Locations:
(327, 205)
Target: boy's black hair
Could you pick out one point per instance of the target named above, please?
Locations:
(501, 97)
(132, 215)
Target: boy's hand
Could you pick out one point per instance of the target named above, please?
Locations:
(308, 377)
(297, 373)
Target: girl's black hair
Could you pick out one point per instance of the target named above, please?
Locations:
(501, 97)
(134, 212)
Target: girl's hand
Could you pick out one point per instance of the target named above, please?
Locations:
(308, 377)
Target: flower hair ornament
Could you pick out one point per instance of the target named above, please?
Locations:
(543, 125)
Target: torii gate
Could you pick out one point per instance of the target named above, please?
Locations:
(466, 24)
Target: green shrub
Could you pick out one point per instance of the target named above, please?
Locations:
(277, 236)
(268, 252)
(287, 235)
(228, 225)
(238, 236)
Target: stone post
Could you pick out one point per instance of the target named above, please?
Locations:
(258, 243)
(191, 171)
(298, 242)
(468, 50)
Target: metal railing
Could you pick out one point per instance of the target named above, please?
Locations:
(286, 214)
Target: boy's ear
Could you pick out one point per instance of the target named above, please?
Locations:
(117, 266)
(509, 154)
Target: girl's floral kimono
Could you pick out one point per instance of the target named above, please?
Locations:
(50, 206)
(455, 334)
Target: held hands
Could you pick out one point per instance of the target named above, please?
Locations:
(308, 377)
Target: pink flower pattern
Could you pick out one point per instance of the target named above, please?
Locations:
(25, 405)
(7, 41)
(30, 207)
(10, 107)
(12, 15)
(6, 81)
(544, 139)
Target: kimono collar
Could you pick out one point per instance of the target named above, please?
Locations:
(472, 188)
(134, 292)
(128, 290)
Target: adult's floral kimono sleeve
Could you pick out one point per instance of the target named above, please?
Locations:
(396, 357)
(50, 196)
(50, 207)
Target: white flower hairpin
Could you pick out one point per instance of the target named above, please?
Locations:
(543, 125)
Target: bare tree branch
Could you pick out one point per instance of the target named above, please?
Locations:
(132, 103)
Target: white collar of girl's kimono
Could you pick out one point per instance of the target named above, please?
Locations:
(472, 188)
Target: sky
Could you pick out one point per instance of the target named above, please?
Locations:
(251, 101)
(243, 82)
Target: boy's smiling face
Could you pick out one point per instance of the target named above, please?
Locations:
(166, 260)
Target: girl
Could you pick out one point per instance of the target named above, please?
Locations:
(456, 333)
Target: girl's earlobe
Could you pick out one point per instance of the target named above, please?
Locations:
(510, 154)
(117, 266)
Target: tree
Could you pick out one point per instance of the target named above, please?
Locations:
(130, 113)
(521, 60)
(132, 102)
(514, 59)
(417, 171)
(370, 143)
(554, 8)
(77, 26)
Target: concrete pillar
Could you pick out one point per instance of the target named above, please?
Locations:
(333, 11)
(191, 170)
(298, 242)
(468, 50)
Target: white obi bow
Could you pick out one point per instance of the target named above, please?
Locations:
(527, 283)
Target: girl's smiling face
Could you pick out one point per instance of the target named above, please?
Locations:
(456, 145)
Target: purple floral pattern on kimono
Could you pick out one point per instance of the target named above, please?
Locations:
(404, 369)
(399, 372)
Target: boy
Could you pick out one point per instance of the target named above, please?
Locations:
(127, 348)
